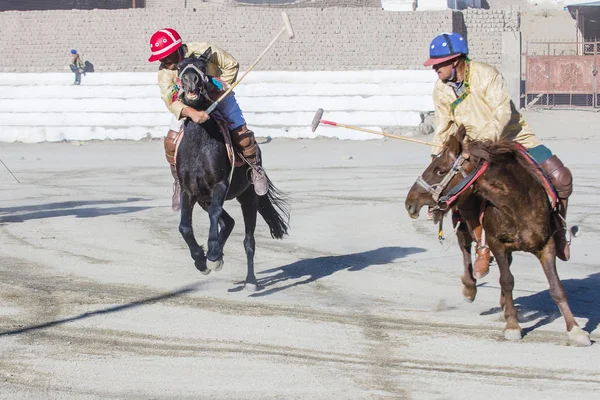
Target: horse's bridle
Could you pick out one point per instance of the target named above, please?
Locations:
(203, 77)
(435, 190)
(193, 66)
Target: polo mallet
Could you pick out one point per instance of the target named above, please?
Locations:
(287, 27)
(8, 169)
(317, 120)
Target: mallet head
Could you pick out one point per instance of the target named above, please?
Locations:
(317, 119)
(288, 25)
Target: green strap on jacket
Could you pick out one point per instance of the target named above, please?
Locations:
(467, 88)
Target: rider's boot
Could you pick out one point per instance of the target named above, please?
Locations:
(561, 178)
(244, 139)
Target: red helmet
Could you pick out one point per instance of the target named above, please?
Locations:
(164, 43)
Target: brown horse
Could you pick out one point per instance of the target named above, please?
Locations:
(516, 215)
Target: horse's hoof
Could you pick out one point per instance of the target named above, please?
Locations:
(251, 287)
(512, 334)
(469, 294)
(215, 265)
(202, 268)
(579, 337)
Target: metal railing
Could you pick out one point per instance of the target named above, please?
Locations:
(562, 74)
(34, 5)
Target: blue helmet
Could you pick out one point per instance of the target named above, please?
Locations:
(73, 51)
(446, 46)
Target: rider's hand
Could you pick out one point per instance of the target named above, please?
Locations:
(197, 116)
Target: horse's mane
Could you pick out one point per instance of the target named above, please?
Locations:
(190, 60)
(502, 152)
(493, 151)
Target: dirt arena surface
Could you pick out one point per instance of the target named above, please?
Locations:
(99, 297)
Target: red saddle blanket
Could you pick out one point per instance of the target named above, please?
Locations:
(542, 177)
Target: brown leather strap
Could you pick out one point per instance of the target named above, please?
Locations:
(251, 152)
(171, 144)
(244, 139)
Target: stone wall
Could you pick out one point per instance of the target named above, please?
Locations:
(483, 31)
(505, 4)
(162, 4)
(326, 39)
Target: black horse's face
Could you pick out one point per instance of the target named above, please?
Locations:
(192, 73)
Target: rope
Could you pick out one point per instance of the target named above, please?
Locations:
(441, 237)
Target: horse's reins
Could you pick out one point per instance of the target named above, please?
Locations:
(205, 95)
(437, 188)
(443, 203)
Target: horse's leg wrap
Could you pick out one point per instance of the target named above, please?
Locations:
(170, 146)
(481, 266)
(561, 178)
(471, 211)
(245, 141)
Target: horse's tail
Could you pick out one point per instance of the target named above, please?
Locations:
(275, 210)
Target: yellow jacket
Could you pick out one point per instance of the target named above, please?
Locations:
(220, 65)
(485, 109)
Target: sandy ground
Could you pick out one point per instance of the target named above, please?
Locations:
(99, 298)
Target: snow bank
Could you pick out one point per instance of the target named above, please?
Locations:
(46, 107)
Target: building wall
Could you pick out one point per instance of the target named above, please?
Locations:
(483, 30)
(346, 38)
(264, 3)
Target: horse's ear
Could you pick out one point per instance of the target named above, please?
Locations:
(206, 55)
(461, 134)
(453, 144)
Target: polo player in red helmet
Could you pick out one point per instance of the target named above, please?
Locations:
(167, 47)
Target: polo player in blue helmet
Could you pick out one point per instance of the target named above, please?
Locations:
(474, 94)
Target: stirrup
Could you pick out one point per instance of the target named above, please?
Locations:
(565, 227)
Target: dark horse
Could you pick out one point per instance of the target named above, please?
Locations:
(203, 168)
(516, 215)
